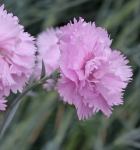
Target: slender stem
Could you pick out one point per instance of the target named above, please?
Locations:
(13, 104)
(54, 75)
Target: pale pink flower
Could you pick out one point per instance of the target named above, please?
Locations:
(17, 54)
(93, 76)
(48, 52)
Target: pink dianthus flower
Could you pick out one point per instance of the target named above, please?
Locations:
(93, 76)
(49, 52)
(17, 55)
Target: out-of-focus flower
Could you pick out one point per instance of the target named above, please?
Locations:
(48, 52)
(93, 76)
(2, 105)
(17, 54)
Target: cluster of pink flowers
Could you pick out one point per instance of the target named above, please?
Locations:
(48, 52)
(17, 55)
(93, 76)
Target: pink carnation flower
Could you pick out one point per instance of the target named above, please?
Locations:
(48, 52)
(17, 55)
(93, 76)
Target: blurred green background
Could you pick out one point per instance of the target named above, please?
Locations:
(42, 121)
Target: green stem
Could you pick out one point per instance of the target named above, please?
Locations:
(54, 75)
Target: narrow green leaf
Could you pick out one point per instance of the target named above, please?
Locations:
(43, 72)
(8, 119)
